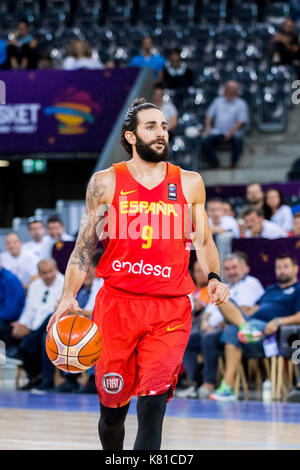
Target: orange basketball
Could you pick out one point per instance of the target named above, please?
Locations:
(74, 343)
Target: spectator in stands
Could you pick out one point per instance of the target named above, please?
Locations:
(284, 46)
(42, 298)
(257, 226)
(176, 73)
(80, 57)
(109, 64)
(12, 299)
(255, 195)
(18, 261)
(56, 231)
(39, 246)
(279, 305)
(296, 226)
(223, 227)
(228, 209)
(149, 57)
(276, 211)
(219, 222)
(22, 49)
(226, 121)
(166, 106)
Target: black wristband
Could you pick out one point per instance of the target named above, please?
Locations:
(214, 276)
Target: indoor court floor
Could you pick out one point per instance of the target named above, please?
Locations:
(69, 421)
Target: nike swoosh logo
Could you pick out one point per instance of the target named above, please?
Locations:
(123, 193)
(174, 328)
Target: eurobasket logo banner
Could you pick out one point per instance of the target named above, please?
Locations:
(55, 110)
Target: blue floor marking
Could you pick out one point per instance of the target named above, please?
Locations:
(180, 408)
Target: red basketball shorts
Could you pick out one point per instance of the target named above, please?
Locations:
(144, 339)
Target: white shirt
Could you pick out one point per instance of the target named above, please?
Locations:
(227, 113)
(38, 249)
(229, 224)
(247, 291)
(41, 301)
(283, 217)
(71, 63)
(269, 230)
(23, 266)
(96, 286)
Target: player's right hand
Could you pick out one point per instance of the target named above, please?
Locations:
(66, 305)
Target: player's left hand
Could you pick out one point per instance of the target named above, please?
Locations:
(218, 292)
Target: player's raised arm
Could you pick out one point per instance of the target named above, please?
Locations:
(90, 230)
(206, 250)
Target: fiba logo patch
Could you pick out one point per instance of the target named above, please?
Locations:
(172, 192)
(112, 382)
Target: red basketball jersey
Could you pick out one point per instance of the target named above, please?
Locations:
(144, 237)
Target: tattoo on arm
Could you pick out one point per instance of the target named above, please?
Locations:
(90, 226)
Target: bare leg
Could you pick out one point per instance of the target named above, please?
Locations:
(233, 358)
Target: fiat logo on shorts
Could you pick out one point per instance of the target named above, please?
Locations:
(112, 382)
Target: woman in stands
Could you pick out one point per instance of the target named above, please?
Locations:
(276, 211)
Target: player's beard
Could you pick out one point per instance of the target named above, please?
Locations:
(149, 154)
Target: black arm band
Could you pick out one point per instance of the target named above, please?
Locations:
(214, 276)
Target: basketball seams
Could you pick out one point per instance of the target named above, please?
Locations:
(68, 345)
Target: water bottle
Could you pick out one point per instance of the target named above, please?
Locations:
(267, 391)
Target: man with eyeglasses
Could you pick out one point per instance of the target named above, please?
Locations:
(42, 298)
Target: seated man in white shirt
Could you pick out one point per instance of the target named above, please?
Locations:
(42, 298)
(19, 261)
(226, 119)
(257, 226)
(39, 245)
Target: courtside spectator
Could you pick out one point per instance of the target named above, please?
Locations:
(245, 290)
(22, 49)
(228, 209)
(12, 299)
(220, 223)
(279, 305)
(80, 57)
(166, 107)
(226, 121)
(255, 196)
(257, 226)
(18, 261)
(176, 73)
(149, 57)
(39, 245)
(296, 226)
(56, 232)
(42, 298)
(276, 211)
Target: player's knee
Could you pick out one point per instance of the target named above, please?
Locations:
(112, 417)
(152, 407)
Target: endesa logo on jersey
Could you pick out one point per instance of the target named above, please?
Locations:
(141, 268)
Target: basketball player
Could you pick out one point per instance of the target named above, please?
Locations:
(143, 310)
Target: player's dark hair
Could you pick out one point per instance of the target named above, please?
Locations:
(131, 120)
(289, 256)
